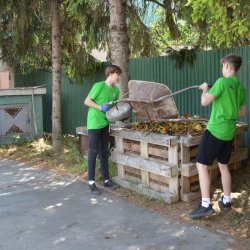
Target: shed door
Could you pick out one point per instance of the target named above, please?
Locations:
(15, 119)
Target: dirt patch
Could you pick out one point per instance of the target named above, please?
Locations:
(235, 223)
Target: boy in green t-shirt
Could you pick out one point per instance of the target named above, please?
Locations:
(98, 125)
(229, 102)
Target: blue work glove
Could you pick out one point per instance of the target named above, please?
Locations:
(105, 108)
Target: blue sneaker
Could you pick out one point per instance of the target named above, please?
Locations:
(94, 190)
(202, 212)
(110, 184)
(224, 206)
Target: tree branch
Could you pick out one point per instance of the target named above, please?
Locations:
(156, 2)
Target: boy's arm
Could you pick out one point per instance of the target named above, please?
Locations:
(242, 112)
(206, 98)
(88, 102)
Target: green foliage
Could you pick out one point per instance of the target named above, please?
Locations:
(227, 23)
(162, 37)
(202, 23)
(182, 56)
(18, 139)
(25, 35)
(141, 41)
(81, 65)
(112, 169)
(73, 157)
(167, 27)
(25, 30)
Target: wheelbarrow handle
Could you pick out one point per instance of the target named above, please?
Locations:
(115, 102)
(158, 99)
(178, 92)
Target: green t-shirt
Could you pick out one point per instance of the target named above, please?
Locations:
(230, 95)
(100, 93)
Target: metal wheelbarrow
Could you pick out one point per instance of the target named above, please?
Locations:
(147, 100)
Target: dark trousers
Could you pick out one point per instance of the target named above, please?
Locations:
(98, 143)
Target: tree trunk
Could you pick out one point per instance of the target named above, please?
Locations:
(119, 40)
(173, 28)
(56, 75)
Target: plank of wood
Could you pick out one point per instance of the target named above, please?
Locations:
(144, 149)
(145, 177)
(189, 141)
(119, 144)
(193, 140)
(185, 185)
(237, 141)
(153, 150)
(143, 189)
(132, 179)
(158, 152)
(158, 187)
(120, 169)
(160, 178)
(159, 139)
(239, 155)
(184, 154)
(174, 185)
(167, 169)
(188, 197)
(133, 171)
(173, 154)
(189, 169)
(133, 146)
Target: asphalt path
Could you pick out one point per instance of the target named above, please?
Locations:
(42, 211)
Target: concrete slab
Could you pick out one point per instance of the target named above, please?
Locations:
(39, 210)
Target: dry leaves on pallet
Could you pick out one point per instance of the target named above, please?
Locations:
(170, 128)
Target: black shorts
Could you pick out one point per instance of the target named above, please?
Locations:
(211, 148)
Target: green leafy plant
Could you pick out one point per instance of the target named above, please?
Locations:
(182, 56)
(19, 139)
(75, 161)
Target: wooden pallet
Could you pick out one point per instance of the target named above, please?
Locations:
(146, 167)
(189, 179)
(163, 166)
(82, 132)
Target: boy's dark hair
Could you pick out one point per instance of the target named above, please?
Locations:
(113, 69)
(232, 59)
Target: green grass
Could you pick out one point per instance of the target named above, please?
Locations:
(75, 162)
(39, 151)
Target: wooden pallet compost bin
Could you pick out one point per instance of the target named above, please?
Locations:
(147, 163)
(163, 166)
(82, 133)
(188, 147)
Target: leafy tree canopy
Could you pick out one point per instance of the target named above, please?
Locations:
(25, 29)
(25, 34)
(222, 23)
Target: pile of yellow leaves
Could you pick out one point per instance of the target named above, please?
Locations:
(170, 128)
